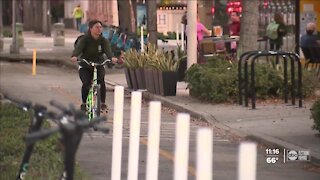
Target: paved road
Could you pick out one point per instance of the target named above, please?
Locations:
(94, 155)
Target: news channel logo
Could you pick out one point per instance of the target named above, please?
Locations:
(294, 155)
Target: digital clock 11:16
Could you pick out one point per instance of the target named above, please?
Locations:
(272, 151)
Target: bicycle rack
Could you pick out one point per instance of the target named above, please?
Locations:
(253, 56)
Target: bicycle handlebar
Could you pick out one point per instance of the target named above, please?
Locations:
(23, 105)
(95, 64)
(61, 107)
(69, 128)
(39, 135)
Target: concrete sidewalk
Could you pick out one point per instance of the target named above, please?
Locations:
(273, 124)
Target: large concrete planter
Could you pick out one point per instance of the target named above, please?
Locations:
(140, 78)
(168, 83)
(128, 78)
(148, 73)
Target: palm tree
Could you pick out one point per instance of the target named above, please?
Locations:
(249, 26)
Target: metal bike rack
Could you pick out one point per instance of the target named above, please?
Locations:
(253, 56)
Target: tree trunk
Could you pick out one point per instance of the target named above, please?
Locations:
(37, 16)
(28, 15)
(249, 27)
(126, 9)
(46, 20)
(1, 17)
(152, 21)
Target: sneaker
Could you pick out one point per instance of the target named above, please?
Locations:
(104, 107)
(83, 107)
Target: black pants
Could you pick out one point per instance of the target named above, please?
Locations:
(78, 23)
(86, 76)
(274, 47)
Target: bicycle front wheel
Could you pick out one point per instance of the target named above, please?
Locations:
(97, 101)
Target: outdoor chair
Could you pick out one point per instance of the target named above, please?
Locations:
(312, 56)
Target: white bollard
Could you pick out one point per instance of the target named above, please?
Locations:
(135, 118)
(181, 157)
(153, 140)
(141, 39)
(182, 37)
(117, 133)
(177, 34)
(204, 154)
(247, 161)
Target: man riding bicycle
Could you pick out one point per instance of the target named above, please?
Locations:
(93, 47)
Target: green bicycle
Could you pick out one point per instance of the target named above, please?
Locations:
(94, 100)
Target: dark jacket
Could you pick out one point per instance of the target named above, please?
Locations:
(92, 49)
(309, 41)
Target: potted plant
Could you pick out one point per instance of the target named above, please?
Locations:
(151, 55)
(131, 63)
(168, 75)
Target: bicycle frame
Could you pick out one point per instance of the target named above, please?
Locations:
(93, 98)
(92, 104)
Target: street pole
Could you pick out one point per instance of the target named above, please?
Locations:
(297, 26)
(192, 33)
(14, 49)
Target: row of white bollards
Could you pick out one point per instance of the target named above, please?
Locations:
(247, 152)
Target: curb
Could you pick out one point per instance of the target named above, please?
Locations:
(40, 60)
(259, 138)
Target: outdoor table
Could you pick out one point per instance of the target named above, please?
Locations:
(223, 39)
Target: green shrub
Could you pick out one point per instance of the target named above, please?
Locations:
(7, 33)
(217, 81)
(268, 82)
(46, 160)
(315, 114)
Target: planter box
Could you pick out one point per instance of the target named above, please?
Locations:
(133, 79)
(182, 69)
(168, 83)
(128, 78)
(156, 81)
(140, 78)
(148, 73)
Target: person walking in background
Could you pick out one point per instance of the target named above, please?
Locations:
(234, 26)
(309, 39)
(184, 22)
(78, 15)
(276, 30)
